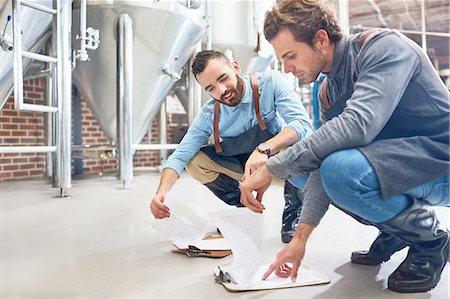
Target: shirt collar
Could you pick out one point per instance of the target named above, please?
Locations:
(340, 49)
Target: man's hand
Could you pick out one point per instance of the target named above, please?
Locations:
(158, 208)
(290, 258)
(255, 161)
(258, 181)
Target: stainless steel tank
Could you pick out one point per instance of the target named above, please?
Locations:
(165, 36)
(235, 26)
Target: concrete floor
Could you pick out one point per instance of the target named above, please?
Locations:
(100, 244)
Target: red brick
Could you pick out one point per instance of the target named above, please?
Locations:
(37, 172)
(20, 173)
(5, 161)
(10, 167)
(33, 95)
(10, 112)
(19, 133)
(28, 140)
(35, 159)
(27, 127)
(5, 133)
(26, 166)
(11, 140)
(19, 160)
(10, 126)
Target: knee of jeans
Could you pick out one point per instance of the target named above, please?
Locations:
(337, 178)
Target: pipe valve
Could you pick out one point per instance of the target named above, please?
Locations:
(6, 43)
(168, 71)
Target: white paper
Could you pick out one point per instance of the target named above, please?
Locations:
(184, 227)
(243, 230)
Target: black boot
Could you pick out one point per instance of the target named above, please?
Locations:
(227, 189)
(428, 253)
(380, 251)
(293, 197)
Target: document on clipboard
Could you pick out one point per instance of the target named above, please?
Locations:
(243, 229)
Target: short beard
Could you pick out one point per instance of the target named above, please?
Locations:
(237, 93)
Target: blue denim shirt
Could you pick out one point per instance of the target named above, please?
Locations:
(396, 113)
(280, 107)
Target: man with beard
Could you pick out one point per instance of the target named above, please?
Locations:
(382, 156)
(256, 116)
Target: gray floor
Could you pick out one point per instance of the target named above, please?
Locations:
(100, 244)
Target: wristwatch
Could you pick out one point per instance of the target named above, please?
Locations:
(264, 148)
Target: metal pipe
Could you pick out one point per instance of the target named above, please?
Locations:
(208, 22)
(145, 147)
(428, 33)
(83, 25)
(39, 7)
(124, 98)
(39, 57)
(194, 90)
(344, 16)
(56, 157)
(18, 68)
(197, 88)
(49, 117)
(28, 149)
(423, 25)
(163, 131)
(64, 93)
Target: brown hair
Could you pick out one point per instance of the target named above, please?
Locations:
(202, 58)
(303, 18)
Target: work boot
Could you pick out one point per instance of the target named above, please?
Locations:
(293, 197)
(428, 253)
(380, 251)
(227, 189)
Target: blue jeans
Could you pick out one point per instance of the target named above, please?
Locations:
(299, 181)
(351, 183)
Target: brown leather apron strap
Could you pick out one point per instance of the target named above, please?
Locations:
(325, 101)
(254, 82)
(217, 145)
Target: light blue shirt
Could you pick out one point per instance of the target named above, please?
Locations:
(280, 107)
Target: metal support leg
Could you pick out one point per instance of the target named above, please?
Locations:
(64, 93)
(124, 98)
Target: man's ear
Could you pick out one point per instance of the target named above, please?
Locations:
(236, 67)
(321, 40)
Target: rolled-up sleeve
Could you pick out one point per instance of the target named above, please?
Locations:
(197, 134)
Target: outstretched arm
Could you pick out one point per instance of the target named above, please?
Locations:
(157, 206)
(293, 253)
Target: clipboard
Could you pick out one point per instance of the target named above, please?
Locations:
(307, 276)
(194, 251)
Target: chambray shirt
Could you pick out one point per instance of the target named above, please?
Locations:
(280, 107)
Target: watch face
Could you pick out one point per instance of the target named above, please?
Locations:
(263, 147)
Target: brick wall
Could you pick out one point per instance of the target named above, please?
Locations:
(21, 128)
(97, 161)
